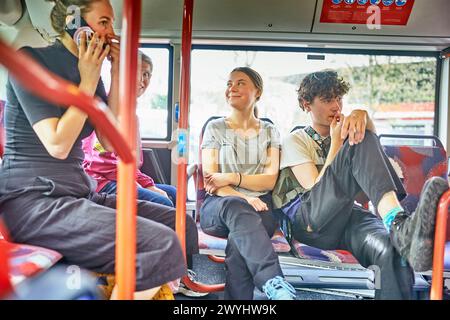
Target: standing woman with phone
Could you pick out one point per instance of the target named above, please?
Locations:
(46, 197)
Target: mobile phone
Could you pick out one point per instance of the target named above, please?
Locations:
(75, 30)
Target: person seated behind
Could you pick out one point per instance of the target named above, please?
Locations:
(46, 197)
(326, 165)
(240, 157)
(102, 165)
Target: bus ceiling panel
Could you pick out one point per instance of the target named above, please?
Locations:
(254, 15)
(10, 12)
(162, 18)
(427, 19)
(321, 41)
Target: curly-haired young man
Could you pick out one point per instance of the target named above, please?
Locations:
(326, 165)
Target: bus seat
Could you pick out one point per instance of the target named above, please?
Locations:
(211, 243)
(216, 245)
(311, 253)
(27, 261)
(417, 164)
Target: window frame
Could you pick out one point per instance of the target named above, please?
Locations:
(418, 53)
(167, 46)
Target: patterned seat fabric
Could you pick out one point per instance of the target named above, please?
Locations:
(206, 241)
(311, 253)
(417, 164)
(27, 261)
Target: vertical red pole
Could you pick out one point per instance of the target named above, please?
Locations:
(183, 136)
(5, 284)
(126, 191)
(439, 247)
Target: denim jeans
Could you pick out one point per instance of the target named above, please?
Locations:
(148, 195)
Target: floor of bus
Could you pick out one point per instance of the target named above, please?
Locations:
(212, 273)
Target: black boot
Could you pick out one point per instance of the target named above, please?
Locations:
(413, 235)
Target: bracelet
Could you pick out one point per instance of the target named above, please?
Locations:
(240, 180)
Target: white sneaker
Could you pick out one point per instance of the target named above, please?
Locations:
(183, 289)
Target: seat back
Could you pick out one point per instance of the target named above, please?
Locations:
(198, 178)
(416, 164)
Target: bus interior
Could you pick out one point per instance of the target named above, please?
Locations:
(397, 60)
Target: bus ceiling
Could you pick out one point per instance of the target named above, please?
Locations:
(258, 22)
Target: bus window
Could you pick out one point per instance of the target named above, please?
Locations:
(154, 107)
(3, 80)
(397, 91)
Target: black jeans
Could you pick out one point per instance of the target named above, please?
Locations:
(250, 258)
(337, 223)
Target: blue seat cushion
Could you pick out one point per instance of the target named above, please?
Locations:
(447, 257)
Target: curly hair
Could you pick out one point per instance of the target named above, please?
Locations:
(325, 84)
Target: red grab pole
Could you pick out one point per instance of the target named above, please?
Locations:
(183, 139)
(183, 136)
(5, 284)
(126, 177)
(439, 247)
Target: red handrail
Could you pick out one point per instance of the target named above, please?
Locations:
(59, 91)
(440, 237)
(186, 45)
(126, 190)
(183, 138)
(5, 284)
(56, 90)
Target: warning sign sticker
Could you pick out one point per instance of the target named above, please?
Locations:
(392, 12)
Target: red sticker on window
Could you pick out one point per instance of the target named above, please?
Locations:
(383, 12)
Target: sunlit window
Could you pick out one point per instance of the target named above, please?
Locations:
(153, 108)
(397, 91)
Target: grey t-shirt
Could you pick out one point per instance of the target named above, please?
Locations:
(238, 153)
(26, 164)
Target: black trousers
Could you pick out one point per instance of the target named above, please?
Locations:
(337, 223)
(250, 259)
(83, 230)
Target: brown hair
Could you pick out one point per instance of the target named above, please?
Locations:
(61, 10)
(325, 84)
(256, 79)
(145, 58)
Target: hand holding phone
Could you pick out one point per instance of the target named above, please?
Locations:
(76, 29)
(90, 60)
